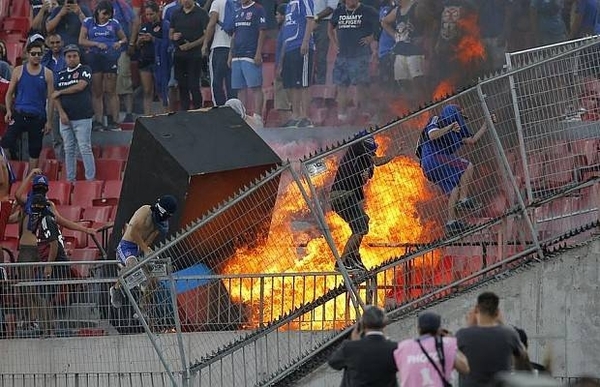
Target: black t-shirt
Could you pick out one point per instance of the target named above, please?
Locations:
(69, 25)
(147, 53)
(355, 169)
(352, 26)
(78, 106)
(47, 232)
(191, 25)
(489, 351)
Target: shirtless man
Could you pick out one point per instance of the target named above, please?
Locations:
(148, 222)
(28, 250)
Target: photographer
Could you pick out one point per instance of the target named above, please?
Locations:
(40, 12)
(66, 20)
(430, 359)
(367, 359)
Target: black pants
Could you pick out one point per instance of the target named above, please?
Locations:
(187, 73)
(220, 75)
(33, 125)
(321, 48)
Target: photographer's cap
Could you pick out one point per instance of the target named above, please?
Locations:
(72, 48)
(429, 321)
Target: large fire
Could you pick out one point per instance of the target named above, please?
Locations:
(392, 196)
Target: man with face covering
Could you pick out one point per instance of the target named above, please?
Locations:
(443, 136)
(50, 249)
(148, 222)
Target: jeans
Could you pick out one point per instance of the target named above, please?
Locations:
(78, 132)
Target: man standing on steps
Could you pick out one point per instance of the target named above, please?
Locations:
(347, 196)
(219, 42)
(30, 86)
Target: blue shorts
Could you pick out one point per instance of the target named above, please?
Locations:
(351, 71)
(245, 74)
(103, 62)
(127, 249)
(444, 170)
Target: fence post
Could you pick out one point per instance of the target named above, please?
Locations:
(504, 160)
(519, 124)
(184, 363)
(320, 216)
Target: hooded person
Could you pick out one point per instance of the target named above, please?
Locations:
(254, 121)
(147, 223)
(347, 194)
(443, 136)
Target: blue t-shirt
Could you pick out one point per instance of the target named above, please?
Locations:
(102, 33)
(248, 23)
(450, 142)
(294, 26)
(54, 64)
(68, 27)
(550, 23)
(386, 41)
(352, 26)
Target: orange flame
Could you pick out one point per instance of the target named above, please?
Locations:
(392, 196)
(470, 50)
(443, 90)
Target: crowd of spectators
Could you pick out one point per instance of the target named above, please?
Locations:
(387, 50)
(480, 354)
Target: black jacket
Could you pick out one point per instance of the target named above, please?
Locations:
(367, 362)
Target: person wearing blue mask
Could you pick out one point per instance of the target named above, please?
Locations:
(147, 223)
(443, 136)
(347, 195)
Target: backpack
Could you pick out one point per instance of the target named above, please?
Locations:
(228, 24)
(423, 138)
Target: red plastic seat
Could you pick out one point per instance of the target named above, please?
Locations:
(268, 50)
(207, 100)
(97, 214)
(59, 192)
(70, 212)
(12, 231)
(83, 254)
(51, 168)
(16, 24)
(74, 239)
(112, 189)
(323, 91)
(19, 168)
(86, 191)
(109, 169)
(116, 152)
(589, 148)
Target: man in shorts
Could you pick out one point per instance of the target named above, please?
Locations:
(148, 222)
(353, 28)
(347, 195)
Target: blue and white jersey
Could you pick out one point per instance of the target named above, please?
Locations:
(294, 25)
(450, 142)
(107, 33)
(249, 21)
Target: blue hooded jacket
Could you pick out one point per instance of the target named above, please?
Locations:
(450, 142)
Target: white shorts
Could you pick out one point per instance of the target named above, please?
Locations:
(408, 67)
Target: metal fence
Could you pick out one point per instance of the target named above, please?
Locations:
(271, 276)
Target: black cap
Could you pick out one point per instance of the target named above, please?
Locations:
(429, 321)
(71, 48)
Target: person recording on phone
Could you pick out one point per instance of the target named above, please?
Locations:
(66, 19)
(368, 357)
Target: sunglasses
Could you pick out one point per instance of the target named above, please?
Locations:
(36, 53)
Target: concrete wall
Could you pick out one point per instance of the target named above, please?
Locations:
(556, 302)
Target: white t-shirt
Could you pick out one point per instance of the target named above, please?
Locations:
(221, 38)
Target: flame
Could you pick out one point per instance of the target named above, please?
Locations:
(443, 90)
(392, 196)
(470, 49)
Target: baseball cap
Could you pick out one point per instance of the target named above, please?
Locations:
(168, 203)
(429, 321)
(39, 180)
(71, 48)
(35, 38)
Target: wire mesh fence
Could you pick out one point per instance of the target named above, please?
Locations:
(437, 199)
